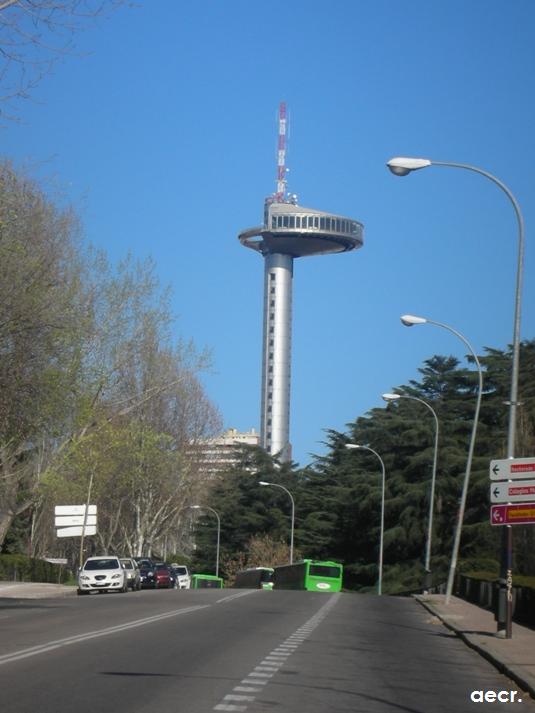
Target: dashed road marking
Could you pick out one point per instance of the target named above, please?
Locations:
(271, 663)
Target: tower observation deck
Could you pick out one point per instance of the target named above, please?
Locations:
(289, 231)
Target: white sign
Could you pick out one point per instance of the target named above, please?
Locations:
(76, 531)
(512, 468)
(74, 510)
(519, 491)
(64, 520)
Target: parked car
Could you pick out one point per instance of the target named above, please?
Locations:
(102, 574)
(146, 572)
(183, 579)
(132, 573)
(162, 576)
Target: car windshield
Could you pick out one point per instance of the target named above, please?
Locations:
(102, 564)
(181, 570)
(127, 564)
(160, 567)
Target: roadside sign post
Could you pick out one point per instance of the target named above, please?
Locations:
(517, 491)
(76, 521)
(515, 514)
(513, 503)
(512, 468)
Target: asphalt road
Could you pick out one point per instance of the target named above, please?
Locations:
(237, 650)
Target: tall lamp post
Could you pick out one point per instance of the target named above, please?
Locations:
(352, 446)
(401, 166)
(205, 507)
(409, 320)
(276, 485)
(427, 565)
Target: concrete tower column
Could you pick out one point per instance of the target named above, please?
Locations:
(276, 355)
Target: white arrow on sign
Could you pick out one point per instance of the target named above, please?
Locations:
(75, 531)
(512, 468)
(64, 520)
(518, 491)
(74, 510)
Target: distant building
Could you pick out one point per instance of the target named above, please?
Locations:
(216, 455)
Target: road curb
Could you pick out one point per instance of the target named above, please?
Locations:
(35, 590)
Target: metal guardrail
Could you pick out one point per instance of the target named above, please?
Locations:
(484, 593)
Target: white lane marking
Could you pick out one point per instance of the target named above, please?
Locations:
(266, 668)
(277, 656)
(50, 645)
(237, 596)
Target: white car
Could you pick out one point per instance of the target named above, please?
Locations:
(183, 580)
(102, 574)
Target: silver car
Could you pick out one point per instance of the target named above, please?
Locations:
(132, 573)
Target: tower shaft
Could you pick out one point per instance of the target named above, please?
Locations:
(276, 355)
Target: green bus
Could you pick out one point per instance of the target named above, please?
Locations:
(206, 581)
(255, 578)
(312, 575)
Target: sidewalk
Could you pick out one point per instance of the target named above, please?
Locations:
(514, 657)
(34, 590)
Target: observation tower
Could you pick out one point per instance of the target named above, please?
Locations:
(289, 231)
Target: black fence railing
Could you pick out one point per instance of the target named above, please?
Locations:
(484, 593)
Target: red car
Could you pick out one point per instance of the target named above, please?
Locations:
(162, 576)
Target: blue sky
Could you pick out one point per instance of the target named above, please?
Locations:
(162, 130)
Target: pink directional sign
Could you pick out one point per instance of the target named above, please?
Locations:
(519, 514)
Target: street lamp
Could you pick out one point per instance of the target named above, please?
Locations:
(352, 446)
(276, 485)
(409, 320)
(205, 507)
(395, 397)
(401, 166)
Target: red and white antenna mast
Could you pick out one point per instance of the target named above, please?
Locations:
(281, 155)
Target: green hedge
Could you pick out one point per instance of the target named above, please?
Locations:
(20, 568)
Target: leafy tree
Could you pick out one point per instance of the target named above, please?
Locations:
(245, 508)
(42, 323)
(90, 383)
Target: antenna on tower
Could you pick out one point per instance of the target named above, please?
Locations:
(281, 156)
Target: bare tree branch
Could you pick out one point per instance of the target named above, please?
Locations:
(34, 35)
